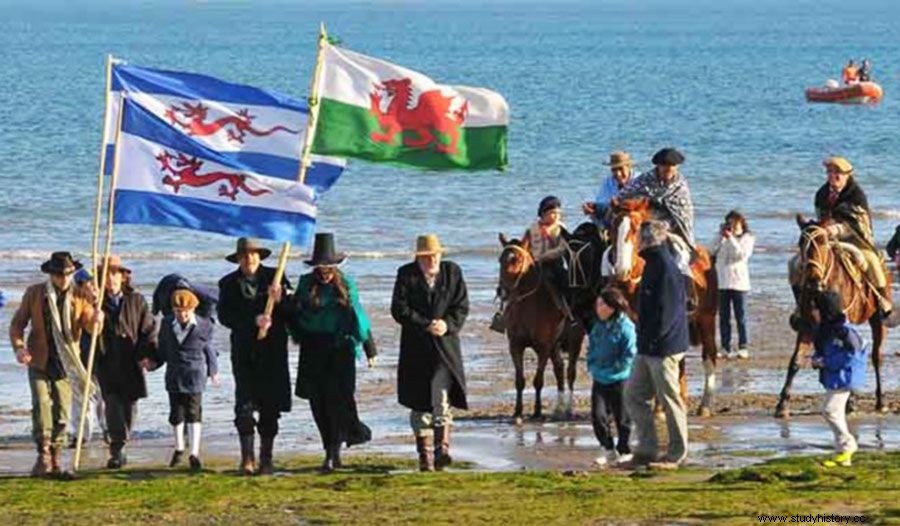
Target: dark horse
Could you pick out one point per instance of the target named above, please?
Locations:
(534, 319)
(825, 265)
(627, 267)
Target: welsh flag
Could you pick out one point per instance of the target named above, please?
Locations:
(382, 112)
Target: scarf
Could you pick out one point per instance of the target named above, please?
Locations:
(68, 349)
(671, 201)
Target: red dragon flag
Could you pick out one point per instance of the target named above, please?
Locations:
(381, 112)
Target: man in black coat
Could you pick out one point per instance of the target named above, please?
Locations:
(262, 382)
(128, 338)
(662, 339)
(430, 302)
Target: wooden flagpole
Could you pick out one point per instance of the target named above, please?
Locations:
(95, 243)
(311, 121)
(101, 291)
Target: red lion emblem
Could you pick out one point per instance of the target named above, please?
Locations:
(184, 173)
(237, 126)
(431, 114)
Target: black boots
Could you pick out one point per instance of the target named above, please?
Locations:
(248, 461)
(266, 466)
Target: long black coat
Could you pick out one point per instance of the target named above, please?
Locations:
(260, 366)
(126, 340)
(414, 306)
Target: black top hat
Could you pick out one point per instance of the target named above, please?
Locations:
(323, 252)
(248, 245)
(60, 263)
(669, 156)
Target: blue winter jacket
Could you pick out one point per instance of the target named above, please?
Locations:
(190, 362)
(843, 355)
(612, 345)
(662, 306)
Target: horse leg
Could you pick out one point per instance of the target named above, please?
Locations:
(707, 327)
(782, 410)
(572, 370)
(517, 352)
(543, 356)
(561, 410)
(879, 335)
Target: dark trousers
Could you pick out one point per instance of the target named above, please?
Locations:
(119, 418)
(245, 422)
(727, 300)
(606, 401)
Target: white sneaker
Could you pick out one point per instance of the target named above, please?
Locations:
(725, 354)
(622, 459)
(743, 354)
(601, 461)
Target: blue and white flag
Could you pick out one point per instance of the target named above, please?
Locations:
(260, 129)
(168, 178)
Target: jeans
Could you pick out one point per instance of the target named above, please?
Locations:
(727, 299)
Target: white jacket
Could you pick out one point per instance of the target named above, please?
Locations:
(732, 254)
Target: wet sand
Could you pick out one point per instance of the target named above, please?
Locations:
(741, 431)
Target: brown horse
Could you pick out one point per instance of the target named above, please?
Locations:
(534, 319)
(627, 269)
(828, 265)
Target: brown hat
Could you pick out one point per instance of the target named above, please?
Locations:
(60, 263)
(115, 263)
(184, 299)
(842, 164)
(428, 244)
(245, 245)
(619, 159)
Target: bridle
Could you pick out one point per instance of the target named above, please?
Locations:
(528, 263)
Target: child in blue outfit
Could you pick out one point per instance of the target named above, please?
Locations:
(840, 356)
(612, 346)
(185, 344)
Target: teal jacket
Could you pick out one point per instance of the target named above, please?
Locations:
(329, 317)
(612, 346)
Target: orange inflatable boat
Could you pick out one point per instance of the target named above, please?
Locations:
(859, 93)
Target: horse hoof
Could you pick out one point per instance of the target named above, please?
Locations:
(537, 417)
(518, 420)
(704, 412)
(782, 412)
(881, 409)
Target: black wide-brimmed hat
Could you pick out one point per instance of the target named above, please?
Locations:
(669, 156)
(60, 263)
(245, 245)
(323, 252)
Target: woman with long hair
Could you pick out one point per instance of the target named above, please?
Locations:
(330, 325)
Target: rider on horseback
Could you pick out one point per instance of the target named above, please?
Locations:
(621, 169)
(547, 246)
(670, 199)
(841, 204)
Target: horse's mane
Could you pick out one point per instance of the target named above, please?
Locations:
(632, 205)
